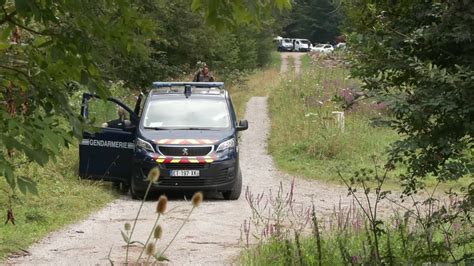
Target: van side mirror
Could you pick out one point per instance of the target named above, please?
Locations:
(243, 125)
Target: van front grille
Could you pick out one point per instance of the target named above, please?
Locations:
(185, 150)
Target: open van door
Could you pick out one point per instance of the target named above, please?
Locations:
(107, 147)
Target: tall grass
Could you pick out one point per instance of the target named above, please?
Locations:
(306, 62)
(305, 137)
(307, 140)
(62, 198)
(431, 232)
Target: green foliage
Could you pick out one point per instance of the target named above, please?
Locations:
(62, 199)
(433, 231)
(315, 146)
(230, 13)
(52, 49)
(417, 56)
(316, 20)
(48, 50)
(401, 245)
(224, 50)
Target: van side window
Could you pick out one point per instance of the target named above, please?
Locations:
(105, 114)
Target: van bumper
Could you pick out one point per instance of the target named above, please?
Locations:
(218, 176)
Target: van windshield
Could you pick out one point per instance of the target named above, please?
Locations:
(187, 113)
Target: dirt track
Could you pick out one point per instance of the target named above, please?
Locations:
(213, 234)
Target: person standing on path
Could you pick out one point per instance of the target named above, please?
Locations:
(203, 75)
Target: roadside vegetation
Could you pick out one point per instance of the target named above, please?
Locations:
(317, 146)
(62, 198)
(258, 82)
(40, 91)
(40, 43)
(286, 233)
(407, 128)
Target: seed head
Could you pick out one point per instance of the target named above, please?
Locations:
(150, 249)
(162, 203)
(127, 226)
(158, 232)
(154, 175)
(197, 199)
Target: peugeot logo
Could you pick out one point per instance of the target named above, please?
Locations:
(185, 151)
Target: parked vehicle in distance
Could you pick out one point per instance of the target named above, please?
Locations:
(341, 45)
(285, 45)
(323, 48)
(187, 129)
(301, 45)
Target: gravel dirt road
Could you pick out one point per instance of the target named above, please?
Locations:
(212, 236)
(296, 62)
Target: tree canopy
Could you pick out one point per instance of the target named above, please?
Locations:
(51, 49)
(316, 20)
(418, 58)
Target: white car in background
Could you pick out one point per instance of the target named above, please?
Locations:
(301, 45)
(285, 45)
(322, 48)
(341, 45)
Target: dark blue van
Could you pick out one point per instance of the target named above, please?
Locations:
(188, 129)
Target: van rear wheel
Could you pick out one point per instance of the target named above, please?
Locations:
(234, 194)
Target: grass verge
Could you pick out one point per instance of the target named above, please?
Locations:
(286, 232)
(399, 247)
(316, 146)
(62, 199)
(306, 62)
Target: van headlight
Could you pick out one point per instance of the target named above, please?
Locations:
(226, 145)
(144, 145)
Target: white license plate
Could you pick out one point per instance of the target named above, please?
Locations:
(184, 173)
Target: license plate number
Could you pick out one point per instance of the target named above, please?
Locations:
(184, 173)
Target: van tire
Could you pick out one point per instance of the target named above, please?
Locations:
(234, 194)
(134, 191)
(121, 187)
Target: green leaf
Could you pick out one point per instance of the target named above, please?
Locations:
(136, 242)
(84, 77)
(38, 156)
(26, 185)
(197, 4)
(22, 6)
(160, 258)
(7, 171)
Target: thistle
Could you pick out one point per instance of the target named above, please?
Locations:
(158, 232)
(150, 249)
(127, 226)
(162, 203)
(154, 175)
(197, 199)
(160, 209)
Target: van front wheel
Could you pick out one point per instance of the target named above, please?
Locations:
(234, 194)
